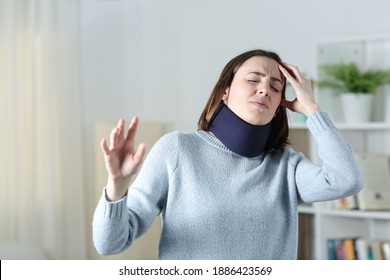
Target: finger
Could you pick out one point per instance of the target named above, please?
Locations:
(287, 74)
(104, 147)
(120, 125)
(113, 137)
(295, 72)
(132, 131)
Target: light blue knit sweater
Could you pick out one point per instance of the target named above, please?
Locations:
(218, 205)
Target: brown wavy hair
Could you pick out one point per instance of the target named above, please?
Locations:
(278, 138)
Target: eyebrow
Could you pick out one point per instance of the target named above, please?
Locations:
(263, 75)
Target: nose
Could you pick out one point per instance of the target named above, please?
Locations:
(263, 92)
(263, 89)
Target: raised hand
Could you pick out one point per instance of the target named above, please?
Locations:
(304, 102)
(121, 160)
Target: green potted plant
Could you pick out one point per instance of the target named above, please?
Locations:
(355, 86)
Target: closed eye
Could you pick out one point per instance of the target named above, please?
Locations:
(255, 81)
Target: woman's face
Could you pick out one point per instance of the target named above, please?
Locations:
(256, 90)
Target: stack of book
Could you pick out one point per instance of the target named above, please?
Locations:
(358, 249)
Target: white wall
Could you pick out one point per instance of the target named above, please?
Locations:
(160, 59)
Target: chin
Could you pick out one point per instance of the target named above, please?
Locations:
(259, 121)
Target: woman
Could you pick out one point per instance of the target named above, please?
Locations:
(231, 189)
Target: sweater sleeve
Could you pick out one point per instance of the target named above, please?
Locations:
(117, 224)
(339, 174)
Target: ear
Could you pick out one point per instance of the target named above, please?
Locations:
(226, 95)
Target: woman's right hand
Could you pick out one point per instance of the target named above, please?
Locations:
(121, 160)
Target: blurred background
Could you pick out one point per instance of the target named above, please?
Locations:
(69, 69)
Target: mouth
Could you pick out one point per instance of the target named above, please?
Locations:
(260, 104)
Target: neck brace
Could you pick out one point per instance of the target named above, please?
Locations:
(237, 135)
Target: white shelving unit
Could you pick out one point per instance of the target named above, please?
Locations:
(333, 223)
(364, 137)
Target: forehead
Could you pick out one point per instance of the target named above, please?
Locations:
(261, 64)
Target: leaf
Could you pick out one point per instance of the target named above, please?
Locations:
(346, 77)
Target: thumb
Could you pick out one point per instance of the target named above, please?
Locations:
(139, 154)
(288, 104)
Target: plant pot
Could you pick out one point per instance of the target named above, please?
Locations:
(357, 107)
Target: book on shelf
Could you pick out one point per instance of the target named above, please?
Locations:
(358, 248)
(386, 250)
(349, 249)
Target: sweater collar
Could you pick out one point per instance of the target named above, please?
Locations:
(237, 135)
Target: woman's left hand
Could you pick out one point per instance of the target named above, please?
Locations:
(304, 102)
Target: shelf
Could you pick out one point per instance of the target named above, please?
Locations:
(370, 137)
(364, 126)
(350, 126)
(377, 215)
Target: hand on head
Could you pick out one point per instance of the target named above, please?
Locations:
(304, 102)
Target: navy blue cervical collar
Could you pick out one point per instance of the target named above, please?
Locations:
(237, 135)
